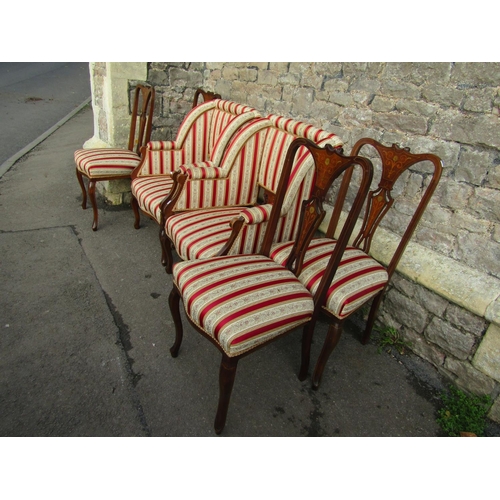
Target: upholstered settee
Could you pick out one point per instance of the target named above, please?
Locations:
(224, 210)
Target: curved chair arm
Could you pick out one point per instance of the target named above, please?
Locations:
(201, 171)
(194, 172)
(257, 214)
(248, 216)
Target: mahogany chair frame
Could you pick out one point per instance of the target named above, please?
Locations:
(330, 163)
(139, 135)
(394, 161)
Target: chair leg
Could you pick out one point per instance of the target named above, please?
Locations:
(137, 214)
(79, 176)
(93, 202)
(306, 349)
(166, 251)
(227, 375)
(332, 339)
(173, 302)
(371, 317)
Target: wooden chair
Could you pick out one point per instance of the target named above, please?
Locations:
(107, 164)
(360, 277)
(225, 211)
(242, 302)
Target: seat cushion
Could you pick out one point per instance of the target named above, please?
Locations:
(242, 301)
(200, 234)
(150, 191)
(358, 278)
(106, 162)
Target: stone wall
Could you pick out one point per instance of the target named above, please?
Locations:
(449, 109)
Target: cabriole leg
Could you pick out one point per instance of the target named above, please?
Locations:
(166, 251)
(137, 214)
(93, 202)
(174, 302)
(79, 176)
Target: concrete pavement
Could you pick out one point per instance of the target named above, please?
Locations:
(86, 331)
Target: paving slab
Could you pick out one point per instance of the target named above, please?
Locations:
(63, 370)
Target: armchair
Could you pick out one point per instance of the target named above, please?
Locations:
(201, 140)
(223, 215)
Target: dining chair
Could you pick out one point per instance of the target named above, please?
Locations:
(241, 303)
(360, 277)
(109, 164)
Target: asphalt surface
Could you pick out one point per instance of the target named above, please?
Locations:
(34, 96)
(86, 331)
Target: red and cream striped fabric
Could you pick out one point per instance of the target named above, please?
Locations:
(150, 191)
(358, 278)
(203, 170)
(203, 135)
(242, 301)
(106, 162)
(237, 181)
(257, 150)
(200, 234)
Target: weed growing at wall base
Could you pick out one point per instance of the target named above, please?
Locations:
(463, 413)
(388, 338)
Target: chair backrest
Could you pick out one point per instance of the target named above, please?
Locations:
(142, 117)
(274, 144)
(252, 162)
(203, 135)
(328, 164)
(394, 161)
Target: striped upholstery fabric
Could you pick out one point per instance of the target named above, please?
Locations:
(359, 277)
(201, 141)
(236, 181)
(203, 134)
(199, 234)
(106, 162)
(242, 301)
(150, 191)
(256, 148)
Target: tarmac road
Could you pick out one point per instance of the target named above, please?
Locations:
(35, 96)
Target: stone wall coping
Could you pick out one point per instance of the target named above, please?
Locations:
(469, 288)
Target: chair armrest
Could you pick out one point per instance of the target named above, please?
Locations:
(257, 214)
(201, 171)
(194, 172)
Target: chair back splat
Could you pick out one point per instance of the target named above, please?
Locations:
(242, 302)
(360, 277)
(395, 161)
(141, 120)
